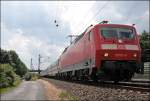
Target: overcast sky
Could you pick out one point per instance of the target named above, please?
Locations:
(28, 26)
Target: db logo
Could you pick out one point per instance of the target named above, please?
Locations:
(121, 47)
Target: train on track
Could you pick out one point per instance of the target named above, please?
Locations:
(102, 52)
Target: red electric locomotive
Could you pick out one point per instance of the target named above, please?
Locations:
(104, 51)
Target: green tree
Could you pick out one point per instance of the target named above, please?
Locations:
(7, 75)
(145, 40)
(13, 59)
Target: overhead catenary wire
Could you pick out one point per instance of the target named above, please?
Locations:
(72, 16)
(96, 14)
(137, 20)
(130, 11)
(93, 16)
(71, 35)
(56, 15)
(57, 8)
(85, 15)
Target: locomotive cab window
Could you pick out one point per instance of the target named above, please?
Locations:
(109, 32)
(125, 33)
(118, 33)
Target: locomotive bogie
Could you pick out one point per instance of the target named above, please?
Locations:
(119, 70)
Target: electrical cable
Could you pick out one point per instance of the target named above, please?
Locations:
(95, 14)
(85, 15)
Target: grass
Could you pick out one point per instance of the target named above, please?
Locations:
(7, 89)
(67, 96)
(34, 78)
(4, 90)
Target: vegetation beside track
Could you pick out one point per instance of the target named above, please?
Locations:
(144, 40)
(67, 96)
(31, 76)
(12, 58)
(12, 69)
(9, 88)
(8, 78)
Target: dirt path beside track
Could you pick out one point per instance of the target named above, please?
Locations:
(27, 90)
(51, 92)
(35, 90)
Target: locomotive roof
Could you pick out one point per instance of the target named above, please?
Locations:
(112, 25)
(92, 26)
(115, 25)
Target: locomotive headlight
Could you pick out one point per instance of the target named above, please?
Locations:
(106, 54)
(135, 55)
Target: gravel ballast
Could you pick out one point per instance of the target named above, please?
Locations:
(94, 93)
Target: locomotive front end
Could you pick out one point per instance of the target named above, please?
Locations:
(119, 51)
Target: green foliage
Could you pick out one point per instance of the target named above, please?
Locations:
(12, 58)
(7, 75)
(16, 83)
(27, 77)
(3, 90)
(31, 76)
(67, 96)
(145, 40)
(34, 76)
(11, 69)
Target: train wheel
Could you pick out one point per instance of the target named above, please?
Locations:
(116, 81)
(130, 75)
(94, 78)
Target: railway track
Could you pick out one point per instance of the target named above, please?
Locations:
(144, 87)
(135, 86)
(141, 80)
(102, 91)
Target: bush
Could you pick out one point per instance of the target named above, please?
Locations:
(144, 40)
(31, 76)
(7, 75)
(27, 77)
(12, 58)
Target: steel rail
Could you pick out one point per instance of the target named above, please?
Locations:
(122, 85)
